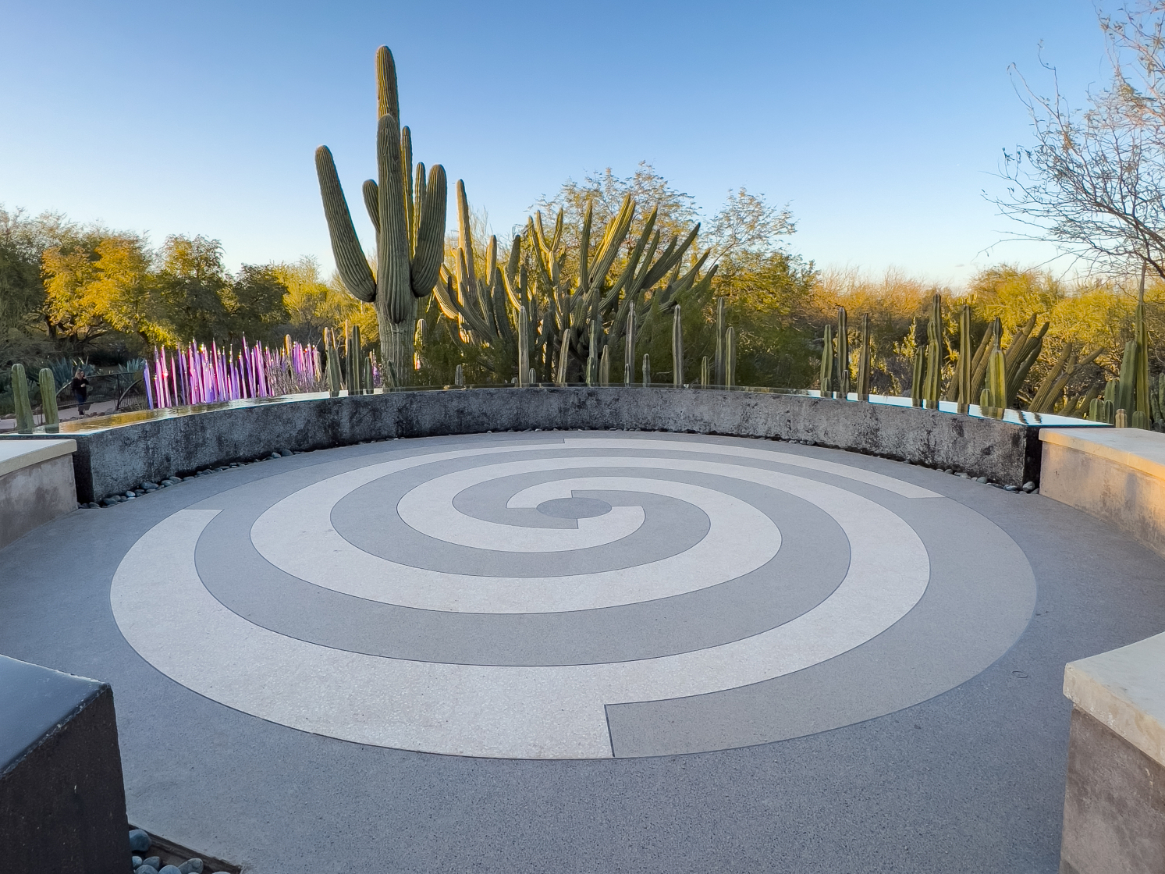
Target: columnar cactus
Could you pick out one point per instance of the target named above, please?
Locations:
(826, 375)
(523, 348)
(705, 373)
(916, 377)
(333, 363)
(864, 361)
(48, 401)
(677, 349)
(994, 396)
(410, 227)
(965, 360)
(646, 370)
(24, 421)
(842, 354)
(629, 354)
(730, 359)
(934, 333)
(605, 367)
(718, 361)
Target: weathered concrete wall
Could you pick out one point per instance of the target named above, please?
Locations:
(62, 799)
(1112, 475)
(36, 494)
(115, 459)
(1114, 804)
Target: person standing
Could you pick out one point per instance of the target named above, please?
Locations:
(80, 390)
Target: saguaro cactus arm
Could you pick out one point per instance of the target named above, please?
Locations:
(430, 246)
(350, 262)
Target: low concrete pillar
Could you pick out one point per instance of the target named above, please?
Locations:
(36, 484)
(62, 799)
(1114, 803)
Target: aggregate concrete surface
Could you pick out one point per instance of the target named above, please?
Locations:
(935, 744)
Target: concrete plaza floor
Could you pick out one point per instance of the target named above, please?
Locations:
(586, 652)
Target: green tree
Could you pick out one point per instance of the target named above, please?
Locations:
(96, 284)
(191, 285)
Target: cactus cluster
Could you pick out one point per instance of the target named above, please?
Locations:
(1131, 400)
(572, 314)
(408, 217)
(25, 423)
(834, 375)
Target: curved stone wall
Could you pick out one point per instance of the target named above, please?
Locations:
(1114, 812)
(121, 452)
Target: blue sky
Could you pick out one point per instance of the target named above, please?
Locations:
(879, 123)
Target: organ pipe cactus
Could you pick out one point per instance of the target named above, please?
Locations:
(705, 373)
(605, 367)
(730, 358)
(523, 348)
(333, 363)
(842, 354)
(677, 349)
(629, 353)
(718, 361)
(409, 220)
(646, 370)
(965, 360)
(917, 378)
(616, 277)
(1101, 410)
(826, 376)
(994, 396)
(48, 401)
(864, 361)
(934, 334)
(24, 421)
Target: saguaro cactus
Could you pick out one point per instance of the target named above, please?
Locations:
(410, 227)
(48, 401)
(24, 422)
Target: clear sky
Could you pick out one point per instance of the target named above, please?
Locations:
(880, 124)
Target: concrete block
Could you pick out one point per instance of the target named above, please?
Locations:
(1114, 804)
(62, 799)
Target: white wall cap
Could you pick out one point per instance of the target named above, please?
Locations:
(1125, 690)
(1134, 448)
(17, 454)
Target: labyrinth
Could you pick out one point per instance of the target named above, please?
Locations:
(572, 595)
